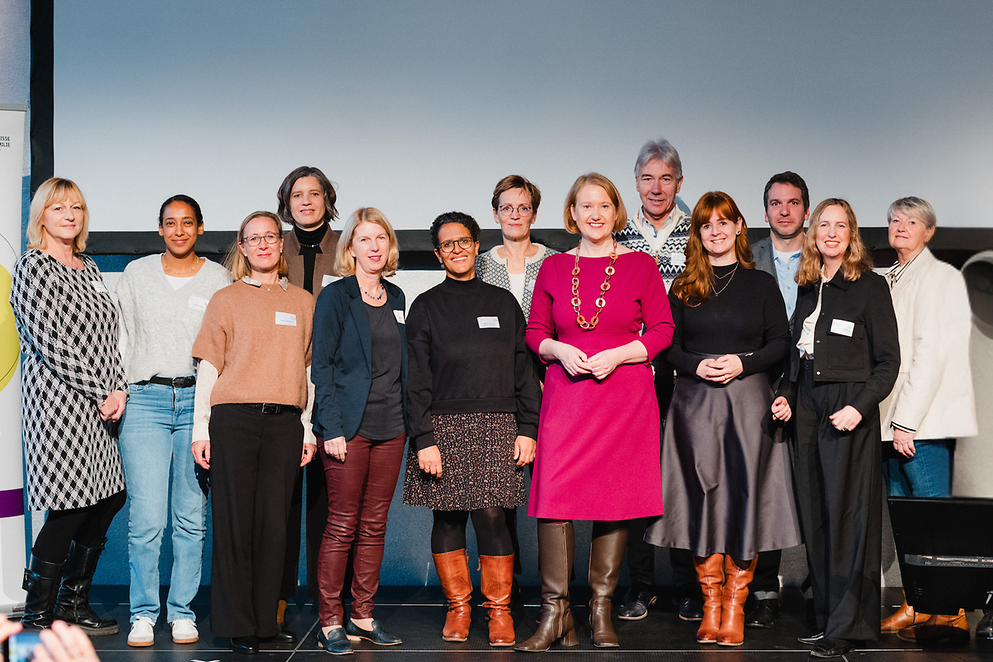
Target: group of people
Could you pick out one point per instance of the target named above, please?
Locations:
(777, 370)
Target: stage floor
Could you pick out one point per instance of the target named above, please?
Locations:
(417, 614)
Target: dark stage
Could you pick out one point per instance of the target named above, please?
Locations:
(417, 614)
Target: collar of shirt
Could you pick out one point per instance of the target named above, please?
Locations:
(657, 237)
(284, 282)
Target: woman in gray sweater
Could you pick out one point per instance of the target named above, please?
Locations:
(162, 299)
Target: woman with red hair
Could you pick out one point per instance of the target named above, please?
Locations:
(725, 469)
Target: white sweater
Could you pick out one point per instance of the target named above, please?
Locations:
(160, 322)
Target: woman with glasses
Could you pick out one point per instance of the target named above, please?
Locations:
(162, 299)
(360, 370)
(845, 360)
(473, 403)
(252, 428)
(599, 451)
(514, 264)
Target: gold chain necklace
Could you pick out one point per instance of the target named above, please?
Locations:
(604, 286)
(178, 274)
(717, 292)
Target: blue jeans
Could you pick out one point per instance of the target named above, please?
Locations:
(156, 433)
(927, 474)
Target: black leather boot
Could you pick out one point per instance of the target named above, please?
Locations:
(73, 603)
(41, 581)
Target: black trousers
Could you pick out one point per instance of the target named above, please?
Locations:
(254, 459)
(315, 520)
(839, 497)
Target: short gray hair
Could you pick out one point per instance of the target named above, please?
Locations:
(662, 150)
(916, 207)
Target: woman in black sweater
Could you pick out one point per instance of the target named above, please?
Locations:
(725, 470)
(473, 403)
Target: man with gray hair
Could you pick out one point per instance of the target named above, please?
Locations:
(661, 229)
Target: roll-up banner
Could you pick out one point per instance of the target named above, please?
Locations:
(11, 473)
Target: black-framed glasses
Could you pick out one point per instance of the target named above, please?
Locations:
(465, 243)
(253, 241)
(508, 210)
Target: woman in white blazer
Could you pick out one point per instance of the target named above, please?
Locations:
(932, 403)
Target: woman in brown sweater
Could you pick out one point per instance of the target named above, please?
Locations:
(252, 428)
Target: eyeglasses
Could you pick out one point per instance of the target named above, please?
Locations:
(465, 243)
(253, 241)
(507, 210)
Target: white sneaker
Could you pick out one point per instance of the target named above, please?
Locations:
(142, 633)
(184, 631)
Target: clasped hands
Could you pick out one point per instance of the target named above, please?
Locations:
(576, 362)
(720, 370)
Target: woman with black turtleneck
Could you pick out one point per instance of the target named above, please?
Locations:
(472, 401)
(306, 201)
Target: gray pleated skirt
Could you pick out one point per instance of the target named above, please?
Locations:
(726, 481)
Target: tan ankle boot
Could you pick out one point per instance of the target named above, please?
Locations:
(710, 572)
(453, 571)
(497, 579)
(737, 579)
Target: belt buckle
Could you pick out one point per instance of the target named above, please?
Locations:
(270, 408)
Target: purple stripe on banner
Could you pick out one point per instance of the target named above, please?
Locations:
(11, 503)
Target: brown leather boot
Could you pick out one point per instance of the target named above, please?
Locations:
(905, 617)
(497, 579)
(556, 554)
(606, 555)
(710, 572)
(953, 628)
(732, 632)
(453, 571)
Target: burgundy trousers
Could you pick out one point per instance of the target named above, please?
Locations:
(360, 490)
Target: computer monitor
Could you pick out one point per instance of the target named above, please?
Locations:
(945, 550)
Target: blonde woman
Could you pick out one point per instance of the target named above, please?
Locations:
(360, 377)
(251, 428)
(844, 361)
(74, 390)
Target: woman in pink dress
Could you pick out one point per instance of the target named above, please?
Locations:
(598, 436)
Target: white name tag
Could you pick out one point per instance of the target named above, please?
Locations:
(677, 259)
(286, 319)
(328, 279)
(399, 315)
(198, 303)
(842, 327)
(529, 285)
(99, 286)
(488, 322)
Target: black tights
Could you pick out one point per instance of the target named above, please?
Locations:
(87, 526)
(490, 524)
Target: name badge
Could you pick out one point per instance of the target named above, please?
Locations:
(489, 322)
(286, 319)
(842, 327)
(99, 286)
(328, 279)
(198, 303)
(677, 259)
(399, 315)
(529, 285)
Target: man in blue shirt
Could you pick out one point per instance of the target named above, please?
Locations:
(787, 208)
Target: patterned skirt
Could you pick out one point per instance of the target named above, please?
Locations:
(477, 462)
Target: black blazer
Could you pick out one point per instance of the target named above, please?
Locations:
(870, 355)
(342, 363)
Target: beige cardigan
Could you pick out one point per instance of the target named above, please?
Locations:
(933, 392)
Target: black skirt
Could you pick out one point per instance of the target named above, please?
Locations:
(726, 481)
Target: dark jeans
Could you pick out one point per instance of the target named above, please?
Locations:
(361, 488)
(254, 459)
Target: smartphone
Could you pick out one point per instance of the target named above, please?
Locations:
(20, 647)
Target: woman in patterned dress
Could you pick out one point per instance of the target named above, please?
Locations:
(472, 401)
(74, 392)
